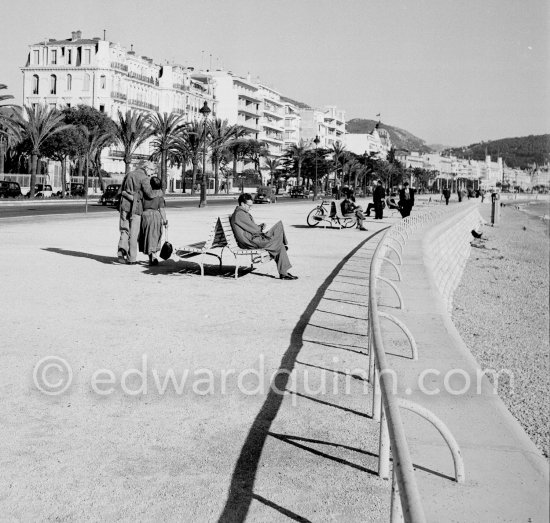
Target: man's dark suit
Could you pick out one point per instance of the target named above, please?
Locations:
(378, 198)
(249, 235)
(406, 202)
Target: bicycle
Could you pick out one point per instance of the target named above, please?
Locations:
(334, 217)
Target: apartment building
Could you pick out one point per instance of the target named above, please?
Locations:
(107, 76)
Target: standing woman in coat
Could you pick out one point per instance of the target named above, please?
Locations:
(153, 219)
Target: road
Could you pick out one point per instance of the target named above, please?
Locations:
(40, 208)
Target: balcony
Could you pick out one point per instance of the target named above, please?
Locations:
(119, 67)
(118, 96)
(270, 111)
(180, 87)
(142, 78)
(249, 109)
(273, 138)
(249, 96)
(144, 105)
(272, 125)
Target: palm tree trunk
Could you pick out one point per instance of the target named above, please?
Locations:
(194, 177)
(63, 177)
(127, 164)
(99, 175)
(216, 175)
(34, 163)
(2, 155)
(164, 169)
(86, 173)
(299, 173)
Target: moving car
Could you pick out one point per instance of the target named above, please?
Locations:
(111, 196)
(9, 189)
(264, 194)
(299, 192)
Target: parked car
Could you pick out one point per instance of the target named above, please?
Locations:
(111, 196)
(77, 189)
(43, 191)
(299, 192)
(264, 194)
(9, 189)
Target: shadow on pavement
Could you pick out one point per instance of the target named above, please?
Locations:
(241, 489)
(109, 260)
(293, 440)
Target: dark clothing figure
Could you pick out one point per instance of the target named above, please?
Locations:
(378, 197)
(249, 235)
(459, 194)
(447, 195)
(406, 201)
(348, 206)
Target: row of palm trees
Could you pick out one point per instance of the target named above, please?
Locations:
(82, 133)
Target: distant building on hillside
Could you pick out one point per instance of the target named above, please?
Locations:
(377, 142)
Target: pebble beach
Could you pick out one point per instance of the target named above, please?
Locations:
(501, 311)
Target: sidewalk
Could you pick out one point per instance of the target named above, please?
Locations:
(506, 475)
(220, 445)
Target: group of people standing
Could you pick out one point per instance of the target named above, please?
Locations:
(142, 214)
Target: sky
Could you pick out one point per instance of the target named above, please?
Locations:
(452, 72)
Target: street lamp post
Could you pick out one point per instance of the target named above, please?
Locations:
(316, 142)
(205, 111)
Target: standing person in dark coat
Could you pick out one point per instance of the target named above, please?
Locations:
(446, 195)
(406, 200)
(379, 197)
(249, 235)
(135, 185)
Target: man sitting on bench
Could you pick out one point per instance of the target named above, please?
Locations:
(249, 235)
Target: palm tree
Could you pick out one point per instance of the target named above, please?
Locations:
(272, 164)
(338, 151)
(298, 153)
(37, 123)
(220, 134)
(94, 143)
(189, 144)
(254, 150)
(132, 130)
(8, 131)
(237, 149)
(166, 128)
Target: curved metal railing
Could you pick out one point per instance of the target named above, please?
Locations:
(405, 500)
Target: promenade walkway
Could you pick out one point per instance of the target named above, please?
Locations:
(220, 445)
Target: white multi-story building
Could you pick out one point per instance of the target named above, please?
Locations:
(376, 143)
(105, 75)
(273, 120)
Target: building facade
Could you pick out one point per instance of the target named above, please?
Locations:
(110, 78)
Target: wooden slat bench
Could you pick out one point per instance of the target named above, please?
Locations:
(221, 237)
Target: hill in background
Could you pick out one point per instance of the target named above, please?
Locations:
(400, 138)
(522, 152)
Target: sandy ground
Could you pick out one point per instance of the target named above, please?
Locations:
(221, 446)
(501, 312)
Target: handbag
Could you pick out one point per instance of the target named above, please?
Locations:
(167, 249)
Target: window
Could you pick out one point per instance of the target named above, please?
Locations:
(54, 57)
(36, 57)
(86, 86)
(35, 84)
(102, 81)
(87, 56)
(53, 84)
(69, 56)
(69, 82)
(101, 108)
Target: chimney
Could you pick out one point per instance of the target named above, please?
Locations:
(73, 36)
(78, 35)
